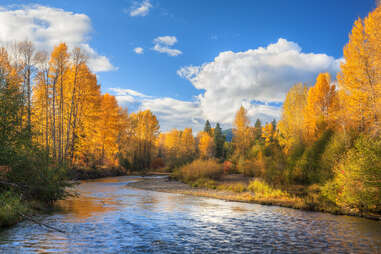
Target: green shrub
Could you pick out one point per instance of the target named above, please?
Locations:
(39, 180)
(307, 168)
(357, 182)
(201, 169)
(10, 208)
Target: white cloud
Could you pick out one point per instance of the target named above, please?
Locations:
(174, 113)
(258, 79)
(141, 9)
(46, 27)
(139, 50)
(163, 44)
(166, 40)
(128, 95)
(255, 78)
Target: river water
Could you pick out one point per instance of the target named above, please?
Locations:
(110, 217)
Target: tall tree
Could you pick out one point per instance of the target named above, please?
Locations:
(219, 140)
(242, 134)
(208, 128)
(290, 125)
(26, 53)
(360, 73)
(58, 67)
(321, 106)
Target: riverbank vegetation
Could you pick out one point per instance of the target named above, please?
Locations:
(323, 154)
(55, 125)
(325, 151)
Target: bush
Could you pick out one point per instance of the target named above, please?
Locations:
(307, 169)
(332, 154)
(157, 163)
(235, 187)
(228, 167)
(39, 180)
(357, 182)
(204, 183)
(262, 190)
(201, 169)
(10, 208)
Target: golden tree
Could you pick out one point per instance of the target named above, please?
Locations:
(360, 75)
(321, 106)
(290, 126)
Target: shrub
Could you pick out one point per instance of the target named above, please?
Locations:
(235, 187)
(157, 163)
(204, 183)
(228, 167)
(357, 182)
(307, 169)
(38, 179)
(201, 169)
(262, 190)
(332, 154)
(10, 208)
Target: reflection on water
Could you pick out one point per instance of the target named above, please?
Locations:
(110, 217)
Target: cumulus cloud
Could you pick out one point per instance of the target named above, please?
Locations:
(46, 27)
(140, 9)
(171, 113)
(139, 50)
(174, 113)
(163, 45)
(256, 78)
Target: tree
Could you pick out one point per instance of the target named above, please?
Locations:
(219, 140)
(360, 75)
(258, 129)
(243, 137)
(206, 145)
(58, 65)
(290, 125)
(268, 132)
(26, 52)
(321, 107)
(208, 128)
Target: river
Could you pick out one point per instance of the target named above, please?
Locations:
(110, 217)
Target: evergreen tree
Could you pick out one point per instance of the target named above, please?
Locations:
(273, 122)
(208, 128)
(258, 129)
(219, 140)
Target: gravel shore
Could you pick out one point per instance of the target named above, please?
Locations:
(163, 184)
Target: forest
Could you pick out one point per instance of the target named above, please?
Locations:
(324, 153)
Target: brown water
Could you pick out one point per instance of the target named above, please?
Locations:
(110, 217)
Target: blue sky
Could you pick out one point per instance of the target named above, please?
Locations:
(210, 61)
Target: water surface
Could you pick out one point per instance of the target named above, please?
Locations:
(110, 217)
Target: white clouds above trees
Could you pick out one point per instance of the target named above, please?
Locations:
(47, 27)
(256, 78)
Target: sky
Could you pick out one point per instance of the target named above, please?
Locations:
(188, 61)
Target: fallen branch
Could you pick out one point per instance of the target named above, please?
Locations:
(40, 223)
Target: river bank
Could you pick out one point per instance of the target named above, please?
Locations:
(165, 184)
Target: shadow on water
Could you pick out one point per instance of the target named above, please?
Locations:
(110, 217)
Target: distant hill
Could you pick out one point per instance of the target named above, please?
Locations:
(228, 134)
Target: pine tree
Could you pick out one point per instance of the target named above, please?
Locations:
(208, 128)
(219, 140)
